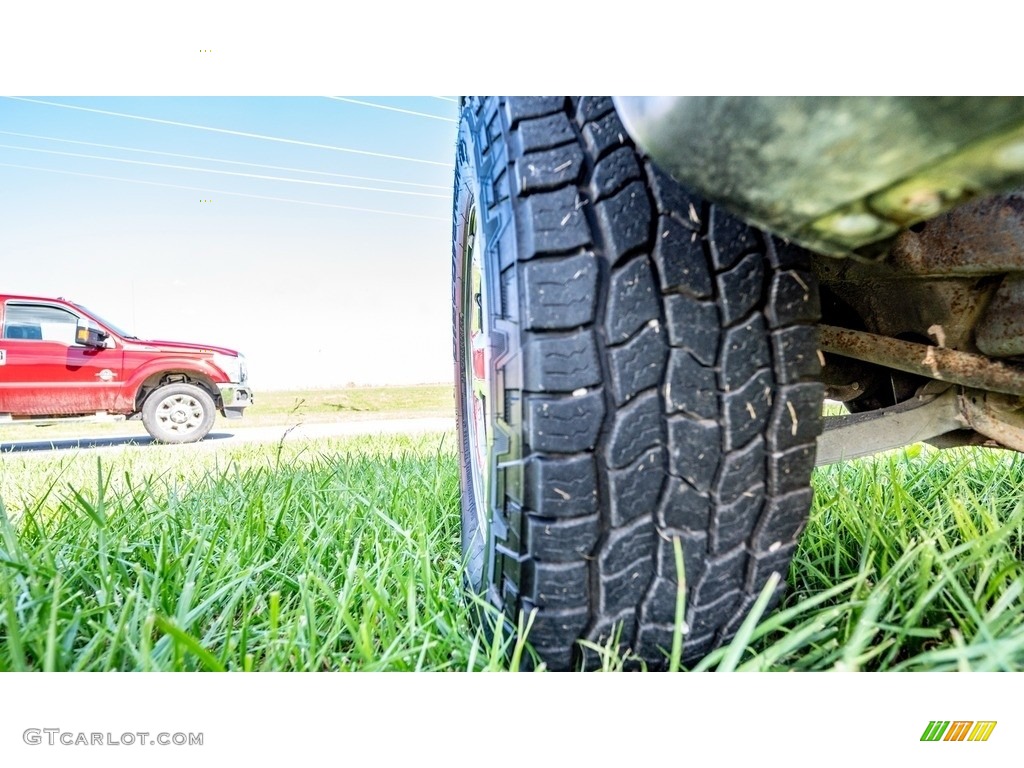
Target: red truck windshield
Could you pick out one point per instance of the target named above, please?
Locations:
(122, 333)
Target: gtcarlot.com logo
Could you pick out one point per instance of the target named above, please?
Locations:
(958, 730)
(59, 737)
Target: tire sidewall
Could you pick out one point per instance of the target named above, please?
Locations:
(465, 197)
(484, 521)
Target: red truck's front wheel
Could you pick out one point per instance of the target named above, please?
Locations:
(178, 413)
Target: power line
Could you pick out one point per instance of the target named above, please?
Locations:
(219, 160)
(225, 192)
(223, 173)
(391, 109)
(445, 98)
(230, 132)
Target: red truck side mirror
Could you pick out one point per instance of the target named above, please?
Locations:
(91, 337)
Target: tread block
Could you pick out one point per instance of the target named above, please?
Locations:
(500, 191)
(708, 618)
(790, 470)
(507, 304)
(548, 169)
(724, 574)
(504, 245)
(782, 520)
(694, 326)
(561, 541)
(508, 526)
(544, 133)
(560, 488)
(793, 298)
(660, 601)
(556, 585)
(563, 424)
(762, 565)
(635, 428)
(552, 224)
(604, 134)
(554, 628)
(679, 256)
(694, 556)
(796, 415)
(560, 293)
(746, 411)
(622, 627)
(495, 136)
(741, 469)
(673, 199)
(509, 576)
(736, 519)
(732, 626)
(638, 364)
(632, 301)
(741, 287)
(524, 107)
(624, 220)
(696, 648)
(694, 450)
(634, 491)
(592, 107)
(624, 589)
(557, 659)
(690, 387)
(744, 350)
(560, 362)
(654, 643)
(731, 238)
(613, 173)
(625, 546)
(683, 507)
(795, 352)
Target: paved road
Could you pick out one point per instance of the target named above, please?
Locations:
(222, 436)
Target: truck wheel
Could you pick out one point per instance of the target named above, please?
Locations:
(634, 368)
(178, 413)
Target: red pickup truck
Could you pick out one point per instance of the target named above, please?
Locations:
(59, 361)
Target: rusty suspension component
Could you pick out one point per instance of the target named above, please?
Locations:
(964, 368)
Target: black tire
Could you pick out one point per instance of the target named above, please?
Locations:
(178, 413)
(647, 370)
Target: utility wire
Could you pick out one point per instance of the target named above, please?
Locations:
(230, 132)
(224, 173)
(445, 98)
(391, 109)
(224, 192)
(219, 160)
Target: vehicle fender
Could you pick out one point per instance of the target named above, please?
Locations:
(198, 369)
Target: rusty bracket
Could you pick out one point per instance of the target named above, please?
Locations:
(950, 365)
(997, 417)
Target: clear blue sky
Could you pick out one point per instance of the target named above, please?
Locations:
(313, 291)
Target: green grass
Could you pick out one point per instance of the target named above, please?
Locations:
(343, 555)
(338, 556)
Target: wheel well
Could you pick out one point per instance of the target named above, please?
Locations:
(158, 380)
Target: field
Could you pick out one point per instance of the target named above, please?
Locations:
(285, 407)
(343, 554)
